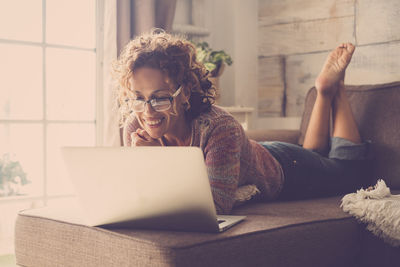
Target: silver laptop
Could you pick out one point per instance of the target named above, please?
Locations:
(145, 187)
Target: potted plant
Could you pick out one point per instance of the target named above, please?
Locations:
(12, 176)
(214, 61)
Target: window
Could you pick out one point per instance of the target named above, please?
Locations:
(49, 67)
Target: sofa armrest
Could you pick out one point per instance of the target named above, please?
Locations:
(289, 136)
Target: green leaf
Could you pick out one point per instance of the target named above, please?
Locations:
(201, 55)
(210, 66)
(211, 58)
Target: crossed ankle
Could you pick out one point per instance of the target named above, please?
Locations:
(341, 94)
(326, 94)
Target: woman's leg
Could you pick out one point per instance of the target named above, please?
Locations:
(330, 92)
(344, 125)
(317, 133)
(307, 173)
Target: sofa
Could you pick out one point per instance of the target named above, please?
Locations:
(311, 232)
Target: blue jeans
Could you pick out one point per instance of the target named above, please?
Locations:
(308, 174)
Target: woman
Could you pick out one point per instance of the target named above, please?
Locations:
(166, 99)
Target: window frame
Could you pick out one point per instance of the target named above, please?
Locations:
(98, 121)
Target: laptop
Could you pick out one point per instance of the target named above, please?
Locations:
(144, 187)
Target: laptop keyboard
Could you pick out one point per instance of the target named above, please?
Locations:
(220, 221)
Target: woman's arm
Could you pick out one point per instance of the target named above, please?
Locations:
(222, 157)
(131, 125)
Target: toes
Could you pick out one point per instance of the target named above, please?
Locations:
(350, 47)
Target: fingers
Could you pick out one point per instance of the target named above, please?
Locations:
(141, 138)
(143, 134)
(135, 138)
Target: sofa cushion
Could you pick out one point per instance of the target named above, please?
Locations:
(376, 110)
(300, 233)
(289, 136)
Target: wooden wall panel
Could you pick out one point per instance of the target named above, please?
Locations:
(370, 65)
(301, 72)
(280, 11)
(304, 37)
(375, 64)
(271, 86)
(378, 21)
(300, 34)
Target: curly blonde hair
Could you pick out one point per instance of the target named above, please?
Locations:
(174, 56)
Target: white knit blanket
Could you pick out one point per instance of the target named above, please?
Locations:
(379, 209)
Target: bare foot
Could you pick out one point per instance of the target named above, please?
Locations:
(333, 70)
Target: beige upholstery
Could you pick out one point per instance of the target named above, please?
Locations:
(290, 136)
(299, 233)
(270, 231)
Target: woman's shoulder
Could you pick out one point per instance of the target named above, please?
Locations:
(216, 114)
(216, 118)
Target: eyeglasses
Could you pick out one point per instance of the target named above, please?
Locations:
(158, 104)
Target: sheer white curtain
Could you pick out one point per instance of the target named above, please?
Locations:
(123, 19)
(110, 114)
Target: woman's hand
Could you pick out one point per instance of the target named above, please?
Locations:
(142, 138)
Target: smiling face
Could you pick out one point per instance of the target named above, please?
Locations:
(148, 83)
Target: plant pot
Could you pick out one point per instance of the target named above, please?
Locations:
(214, 79)
(9, 189)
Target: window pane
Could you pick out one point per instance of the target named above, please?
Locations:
(59, 135)
(70, 84)
(63, 201)
(71, 22)
(21, 82)
(24, 142)
(21, 20)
